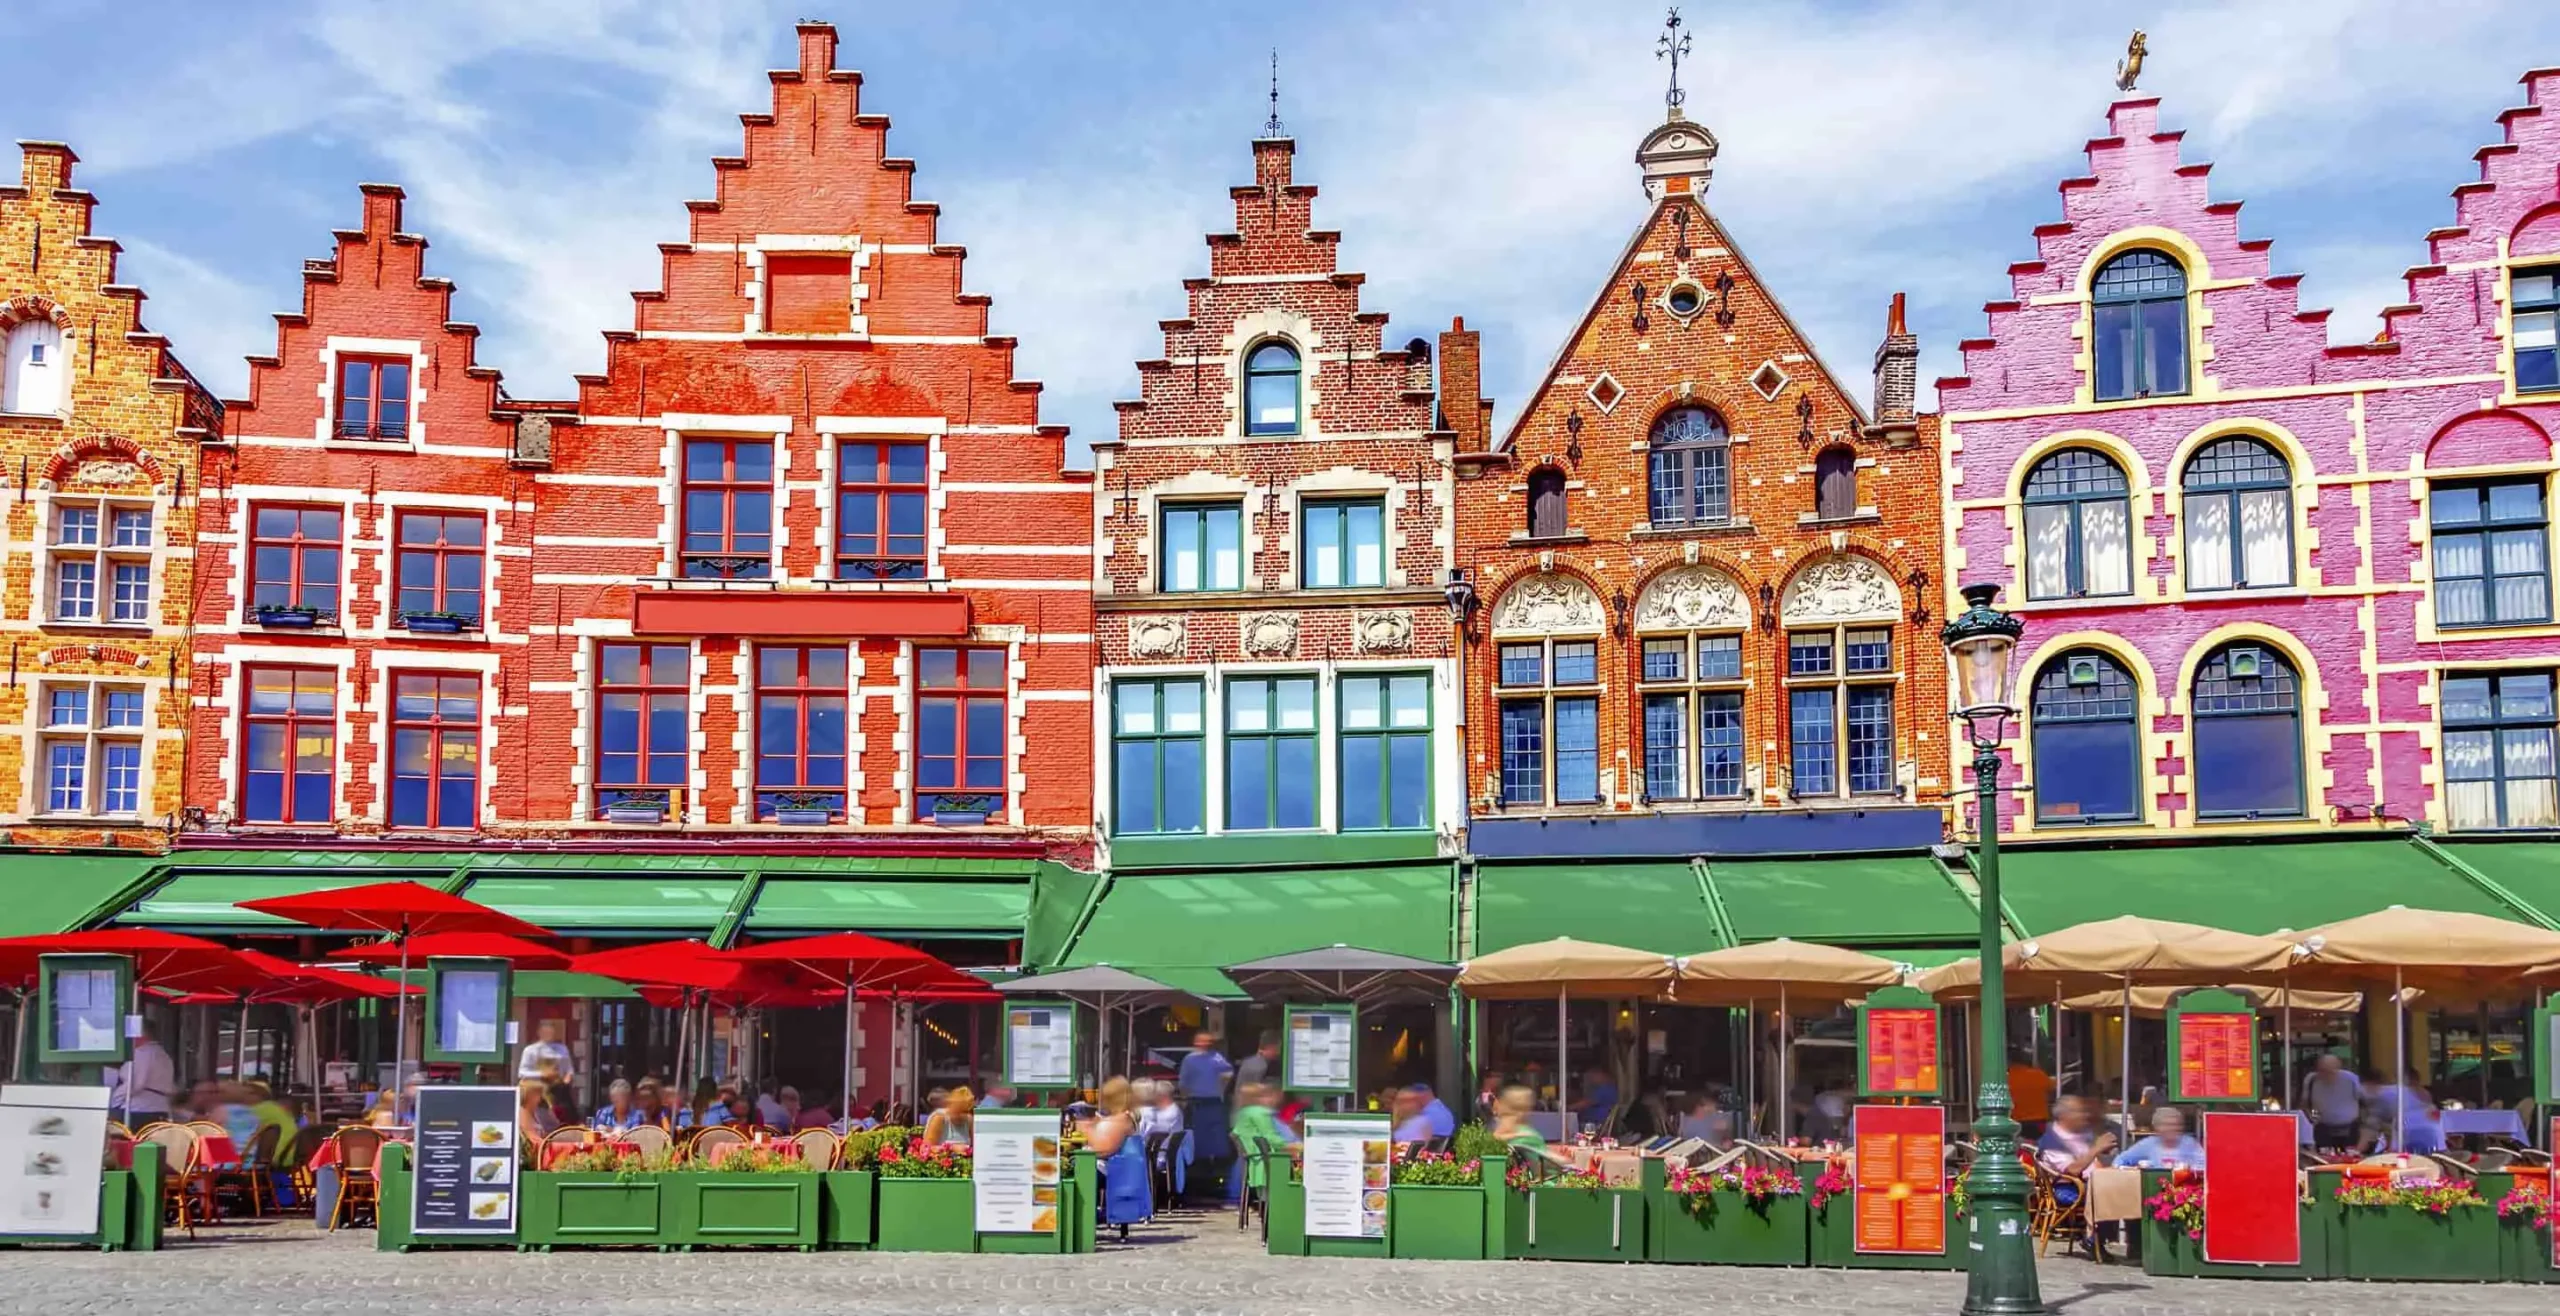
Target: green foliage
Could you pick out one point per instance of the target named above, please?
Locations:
(1474, 1142)
(862, 1148)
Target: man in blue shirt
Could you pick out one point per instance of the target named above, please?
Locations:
(1202, 1080)
(1599, 1098)
(1444, 1123)
(2168, 1147)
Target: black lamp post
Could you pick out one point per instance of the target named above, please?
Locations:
(2001, 1268)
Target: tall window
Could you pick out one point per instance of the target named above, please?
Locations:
(373, 397)
(960, 733)
(2490, 565)
(2141, 320)
(1386, 751)
(2239, 509)
(2079, 527)
(1689, 474)
(1550, 691)
(2499, 767)
(1840, 710)
(2537, 333)
(644, 726)
(1271, 752)
(1157, 748)
(1835, 484)
(290, 752)
(293, 557)
(435, 750)
(1199, 546)
(1342, 543)
(2248, 735)
(1692, 697)
(801, 730)
(1549, 515)
(881, 501)
(439, 565)
(31, 368)
(1271, 389)
(728, 508)
(101, 556)
(2085, 719)
(93, 750)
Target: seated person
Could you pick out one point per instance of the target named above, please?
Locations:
(1444, 1121)
(1412, 1126)
(620, 1114)
(1511, 1124)
(2168, 1147)
(1707, 1120)
(2074, 1142)
(1162, 1109)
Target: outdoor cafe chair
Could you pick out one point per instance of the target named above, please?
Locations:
(2058, 1207)
(1250, 1150)
(650, 1139)
(359, 1153)
(713, 1145)
(256, 1171)
(185, 1179)
(818, 1148)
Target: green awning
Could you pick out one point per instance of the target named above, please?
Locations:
(1182, 929)
(1058, 897)
(1655, 907)
(2529, 870)
(548, 984)
(2239, 886)
(672, 905)
(1845, 901)
(61, 892)
(941, 909)
(209, 901)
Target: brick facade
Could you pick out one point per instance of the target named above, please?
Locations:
(2337, 598)
(99, 426)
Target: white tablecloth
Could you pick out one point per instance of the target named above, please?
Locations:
(2494, 1123)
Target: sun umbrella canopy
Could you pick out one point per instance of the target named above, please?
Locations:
(1540, 970)
(479, 945)
(1344, 973)
(1810, 971)
(2149, 1001)
(289, 983)
(2447, 952)
(1095, 985)
(850, 960)
(167, 960)
(2093, 957)
(394, 909)
(673, 967)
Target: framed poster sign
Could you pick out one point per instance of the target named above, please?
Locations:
(1014, 1164)
(53, 1142)
(1899, 1194)
(2213, 1040)
(2250, 1215)
(467, 1152)
(1040, 1044)
(468, 1000)
(1901, 1045)
(82, 1000)
(1346, 1171)
(1322, 1051)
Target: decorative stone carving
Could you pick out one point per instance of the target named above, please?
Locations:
(1157, 636)
(1269, 634)
(1842, 587)
(1382, 632)
(106, 473)
(1692, 598)
(1547, 603)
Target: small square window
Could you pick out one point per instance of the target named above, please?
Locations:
(66, 706)
(132, 528)
(124, 708)
(1870, 651)
(1663, 659)
(1809, 655)
(1604, 393)
(2085, 670)
(1577, 663)
(1719, 657)
(1523, 664)
(1768, 381)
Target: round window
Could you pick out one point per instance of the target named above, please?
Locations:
(1684, 299)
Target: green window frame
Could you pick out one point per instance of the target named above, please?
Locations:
(1352, 531)
(1271, 753)
(1200, 548)
(1384, 723)
(1159, 734)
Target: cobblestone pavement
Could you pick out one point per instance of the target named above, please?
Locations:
(1179, 1269)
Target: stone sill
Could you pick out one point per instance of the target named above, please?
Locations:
(1567, 539)
(1740, 525)
(1255, 600)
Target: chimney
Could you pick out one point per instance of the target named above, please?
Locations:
(45, 166)
(1417, 366)
(1462, 385)
(817, 50)
(382, 203)
(1897, 375)
(1271, 162)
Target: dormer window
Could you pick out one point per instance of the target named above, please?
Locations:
(1271, 394)
(373, 397)
(2140, 310)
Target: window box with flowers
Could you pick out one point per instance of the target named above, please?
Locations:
(2173, 1231)
(276, 616)
(2523, 1199)
(1554, 1214)
(962, 810)
(600, 1198)
(1831, 1236)
(438, 623)
(1736, 1214)
(927, 1202)
(644, 807)
(805, 808)
(1436, 1205)
(2437, 1232)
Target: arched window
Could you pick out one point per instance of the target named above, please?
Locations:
(2239, 510)
(1271, 389)
(2085, 718)
(2247, 736)
(32, 368)
(1691, 482)
(2141, 314)
(2079, 522)
(1546, 504)
(1835, 484)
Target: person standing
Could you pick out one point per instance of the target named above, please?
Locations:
(145, 1087)
(2335, 1101)
(1263, 1066)
(2030, 1097)
(546, 1049)
(1202, 1080)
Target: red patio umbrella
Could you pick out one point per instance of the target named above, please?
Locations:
(287, 983)
(160, 959)
(678, 974)
(521, 953)
(855, 963)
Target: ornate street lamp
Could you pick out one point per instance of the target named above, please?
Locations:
(2001, 1270)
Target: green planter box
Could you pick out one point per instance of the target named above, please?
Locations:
(1284, 1215)
(1734, 1233)
(1831, 1239)
(2396, 1242)
(2524, 1253)
(927, 1215)
(1575, 1224)
(741, 1210)
(845, 1214)
(2167, 1251)
(590, 1210)
(1436, 1224)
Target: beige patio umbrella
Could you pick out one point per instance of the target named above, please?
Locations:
(2149, 1001)
(1563, 968)
(1796, 970)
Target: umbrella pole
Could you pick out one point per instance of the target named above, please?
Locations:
(847, 1099)
(400, 1024)
(1785, 1044)
(1563, 1062)
(1750, 1066)
(2124, 1061)
(2399, 1065)
(2286, 986)
(240, 1045)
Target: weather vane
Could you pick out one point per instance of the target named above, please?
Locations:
(1673, 45)
(2129, 69)
(1272, 127)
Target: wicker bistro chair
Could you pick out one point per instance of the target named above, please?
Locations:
(256, 1171)
(2058, 1207)
(818, 1148)
(567, 1135)
(714, 1145)
(651, 1139)
(359, 1175)
(188, 1197)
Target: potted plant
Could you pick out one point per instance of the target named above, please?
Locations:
(284, 616)
(1435, 1206)
(804, 808)
(2524, 1228)
(927, 1203)
(848, 1195)
(962, 810)
(2434, 1231)
(1734, 1214)
(438, 623)
(596, 1197)
(637, 807)
(1571, 1215)
(754, 1196)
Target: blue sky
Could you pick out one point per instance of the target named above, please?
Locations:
(1476, 156)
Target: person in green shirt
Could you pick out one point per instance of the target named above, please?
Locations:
(263, 1104)
(1511, 1123)
(1257, 1127)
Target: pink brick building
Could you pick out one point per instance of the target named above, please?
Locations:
(2268, 580)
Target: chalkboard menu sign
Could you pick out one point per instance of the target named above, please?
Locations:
(466, 1179)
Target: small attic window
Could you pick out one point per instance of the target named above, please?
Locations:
(1768, 381)
(1604, 393)
(808, 294)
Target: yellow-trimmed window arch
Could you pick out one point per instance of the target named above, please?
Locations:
(2138, 326)
(2079, 519)
(2245, 750)
(2084, 714)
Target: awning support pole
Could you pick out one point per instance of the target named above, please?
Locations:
(2124, 1078)
(1563, 1062)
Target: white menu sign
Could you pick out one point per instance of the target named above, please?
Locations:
(1346, 1176)
(1016, 1158)
(1322, 1042)
(53, 1142)
(1040, 1045)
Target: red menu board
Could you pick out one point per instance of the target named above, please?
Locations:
(1902, 1052)
(2251, 1193)
(2217, 1056)
(1900, 1190)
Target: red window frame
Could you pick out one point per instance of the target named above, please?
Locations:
(799, 695)
(439, 687)
(292, 723)
(875, 485)
(737, 556)
(650, 686)
(298, 547)
(361, 414)
(442, 552)
(962, 690)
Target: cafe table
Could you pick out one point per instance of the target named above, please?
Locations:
(2490, 1123)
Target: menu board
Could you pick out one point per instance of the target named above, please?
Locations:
(1900, 1190)
(466, 1151)
(2249, 1199)
(1040, 1044)
(83, 1000)
(2216, 1048)
(53, 1141)
(1014, 1166)
(1901, 1052)
(468, 1000)
(1346, 1175)
(1323, 1048)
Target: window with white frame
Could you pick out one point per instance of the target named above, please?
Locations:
(101, 563)
(2239, 513)
(1692, 690)
(1840, 710)
(2499, 769)
(1550, 693)
(92, 755)
(2537, 332)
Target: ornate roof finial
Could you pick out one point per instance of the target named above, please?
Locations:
(2129, 69)
(1272, 127)
(1673, 46)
